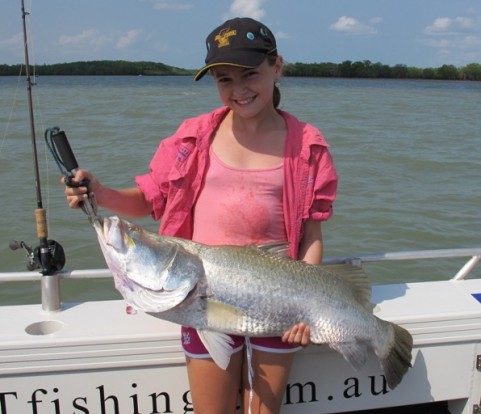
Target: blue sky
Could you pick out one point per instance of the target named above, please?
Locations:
(422, 33)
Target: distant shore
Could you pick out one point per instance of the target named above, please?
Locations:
(346, 69)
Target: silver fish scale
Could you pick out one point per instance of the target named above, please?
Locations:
(275, 293)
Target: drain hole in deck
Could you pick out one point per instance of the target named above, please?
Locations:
(43, 327)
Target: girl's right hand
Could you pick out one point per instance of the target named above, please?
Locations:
(75, 195)
(299, 334)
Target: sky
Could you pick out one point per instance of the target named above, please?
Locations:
(421, 33)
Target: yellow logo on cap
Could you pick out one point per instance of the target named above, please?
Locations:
(222, 38)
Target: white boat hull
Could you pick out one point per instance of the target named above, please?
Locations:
(93, 357)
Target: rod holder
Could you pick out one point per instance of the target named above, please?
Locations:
(50, 293)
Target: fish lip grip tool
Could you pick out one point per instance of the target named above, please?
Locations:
(63, 155)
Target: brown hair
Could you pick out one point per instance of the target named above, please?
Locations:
(276, 96)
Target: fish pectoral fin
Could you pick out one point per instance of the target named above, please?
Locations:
(222, 315)
(353, 352)
(219, 346)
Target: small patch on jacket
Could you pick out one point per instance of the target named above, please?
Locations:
(182, 153)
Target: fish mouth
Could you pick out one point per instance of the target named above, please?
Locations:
(97, 222)
(102, 225)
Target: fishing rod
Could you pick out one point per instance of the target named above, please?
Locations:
(49, 256)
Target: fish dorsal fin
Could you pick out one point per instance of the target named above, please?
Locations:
(219, 346)
(357, 279)
(279, 248)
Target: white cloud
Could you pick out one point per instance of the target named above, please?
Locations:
(127, 39)
(90, 40)
(457, 40)
(450, 26)
(247, 8)
(90, 37)
(440, 25)
(351, 25)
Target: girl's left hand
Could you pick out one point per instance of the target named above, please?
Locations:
(298, 335)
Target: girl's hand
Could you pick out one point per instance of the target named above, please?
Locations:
(298, 335)
(76, 195)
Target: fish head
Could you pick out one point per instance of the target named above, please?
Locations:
(153, 273)
(115, 233)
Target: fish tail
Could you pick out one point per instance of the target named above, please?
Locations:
(397, 360)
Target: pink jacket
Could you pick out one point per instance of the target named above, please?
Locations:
(180, 163)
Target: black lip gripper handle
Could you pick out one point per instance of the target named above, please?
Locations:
(65, 151)
(67, 156)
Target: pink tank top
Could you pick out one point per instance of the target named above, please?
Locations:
(239, 206)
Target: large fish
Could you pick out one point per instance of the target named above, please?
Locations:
(252, 291)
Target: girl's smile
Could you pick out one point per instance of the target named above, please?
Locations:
(245, 101)
(245, 89)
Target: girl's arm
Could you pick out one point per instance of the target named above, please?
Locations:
(310, 248)
(129, 202)
(310, 251)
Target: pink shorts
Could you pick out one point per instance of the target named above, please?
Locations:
(194, 348)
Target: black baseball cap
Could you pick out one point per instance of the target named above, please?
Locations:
(241, 42)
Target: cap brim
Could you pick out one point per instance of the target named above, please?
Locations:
(199, 75)
(240, 58)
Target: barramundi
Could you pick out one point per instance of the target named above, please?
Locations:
(250, 291)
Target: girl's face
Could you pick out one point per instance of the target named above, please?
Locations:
(247, 92)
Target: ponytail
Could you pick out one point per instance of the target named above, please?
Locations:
(276, 96)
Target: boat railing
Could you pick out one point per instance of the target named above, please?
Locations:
(474, 255)
(51, 291)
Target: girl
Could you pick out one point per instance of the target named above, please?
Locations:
(244, 173)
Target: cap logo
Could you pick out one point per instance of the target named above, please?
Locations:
(222, 38)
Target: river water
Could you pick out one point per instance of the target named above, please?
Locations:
(407, 154)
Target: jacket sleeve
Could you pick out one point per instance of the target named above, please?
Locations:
(155, 184)
(322, 183)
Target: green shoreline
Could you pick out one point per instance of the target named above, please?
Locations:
(346, 69)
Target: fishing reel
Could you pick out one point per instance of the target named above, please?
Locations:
(49, 257)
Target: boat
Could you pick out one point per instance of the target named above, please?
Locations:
(97, 357)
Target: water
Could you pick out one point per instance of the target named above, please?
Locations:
(407, 153)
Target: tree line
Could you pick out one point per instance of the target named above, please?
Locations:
(346, 69)
(100, 68)
(367, 69)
